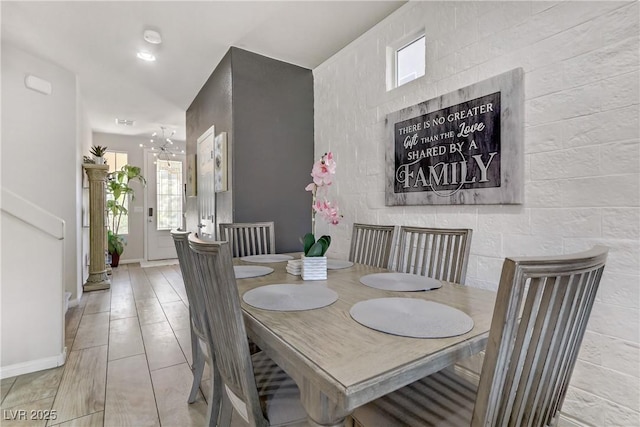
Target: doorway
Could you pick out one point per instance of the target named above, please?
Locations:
(205, 183)
(164, 201)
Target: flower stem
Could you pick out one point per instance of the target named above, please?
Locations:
(313, 213)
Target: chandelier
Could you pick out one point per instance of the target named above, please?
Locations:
(162, 145)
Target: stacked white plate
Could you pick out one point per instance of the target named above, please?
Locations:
(294, 267)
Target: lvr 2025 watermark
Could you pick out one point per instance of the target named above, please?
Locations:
(29, 415)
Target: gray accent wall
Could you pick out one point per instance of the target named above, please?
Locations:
(266, 107)
(212, 106)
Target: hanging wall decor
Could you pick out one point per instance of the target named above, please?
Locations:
(220, 161)
(192, 162)
(465, 147)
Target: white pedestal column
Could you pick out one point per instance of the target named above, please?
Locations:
(98, 278)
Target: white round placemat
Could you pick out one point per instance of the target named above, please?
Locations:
(337, 264)
(402, 282)
(266, 258)
(246, 271)
(285, 297)
(410, 317)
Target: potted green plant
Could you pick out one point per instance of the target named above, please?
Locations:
(313, 248)
(118, 192)
(98, 154)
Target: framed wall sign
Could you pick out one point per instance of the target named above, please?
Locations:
(465, 147)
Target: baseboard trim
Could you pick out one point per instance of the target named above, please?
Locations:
(67, 301)
(33, 365)
(131, 261)
(159, 263)
(567, 421)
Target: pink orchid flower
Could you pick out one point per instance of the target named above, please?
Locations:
(328, 212)
(323, 170)
(322, 173)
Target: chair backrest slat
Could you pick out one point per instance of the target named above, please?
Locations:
(530, 353)
(589, 282)
(554, 351)
(542, 309)
(196, 306)
(439, 253)
(372, 244)
(255, 238)
(216, 284)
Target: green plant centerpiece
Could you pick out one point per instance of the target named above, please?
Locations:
(313, 248)
(119, 191)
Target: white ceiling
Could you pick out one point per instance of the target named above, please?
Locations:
(98, 41)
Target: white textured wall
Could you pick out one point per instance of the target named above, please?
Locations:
(582, 156)
(40, 153)
(84, 146)
(32, 317)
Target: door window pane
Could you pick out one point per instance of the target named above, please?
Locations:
(169, 194)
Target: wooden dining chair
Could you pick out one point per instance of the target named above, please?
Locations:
(260, 392)
(255, 238)
(372, 244)
(541, 313)
(199, 332)
(439, 253)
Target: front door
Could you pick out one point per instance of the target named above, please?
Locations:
(164, 204)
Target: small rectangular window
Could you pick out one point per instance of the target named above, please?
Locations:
(115, 160)
(410, 61)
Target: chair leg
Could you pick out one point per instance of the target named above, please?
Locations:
(219, 410)
(198, 366)
(213, 408)
(226, 410)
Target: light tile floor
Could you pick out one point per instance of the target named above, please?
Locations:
(128, 361)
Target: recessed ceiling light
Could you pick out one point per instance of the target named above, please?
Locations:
(146, 56)
(152, 37)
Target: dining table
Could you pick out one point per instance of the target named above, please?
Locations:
(338, 363)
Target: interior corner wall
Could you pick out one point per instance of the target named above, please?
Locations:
(212, 106)
(266, 108)
(273, 153)
(83, 146)
(582, 156)
(39, 148)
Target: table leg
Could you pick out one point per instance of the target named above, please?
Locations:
(322, 411)
(339, 424)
